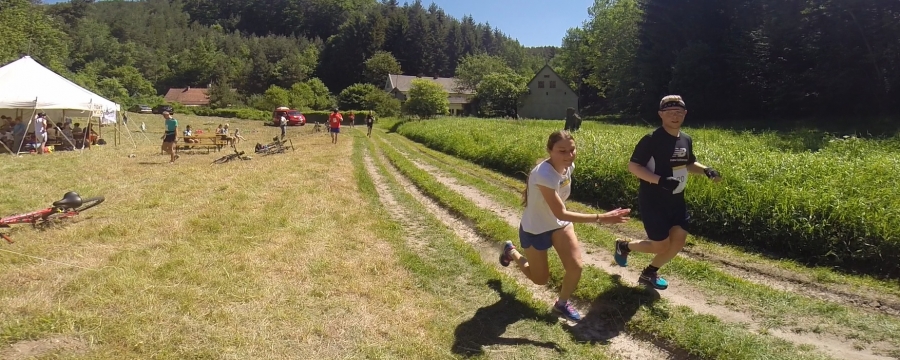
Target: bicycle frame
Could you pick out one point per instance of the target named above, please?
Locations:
(31, 218)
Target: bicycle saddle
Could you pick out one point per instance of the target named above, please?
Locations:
(70, 200)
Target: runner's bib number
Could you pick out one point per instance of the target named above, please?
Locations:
(680, 173)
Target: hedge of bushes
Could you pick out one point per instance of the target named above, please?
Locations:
(826, 202)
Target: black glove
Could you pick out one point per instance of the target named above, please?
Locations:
(669, 183)
(711, 173)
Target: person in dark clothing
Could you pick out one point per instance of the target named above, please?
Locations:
(662, 161)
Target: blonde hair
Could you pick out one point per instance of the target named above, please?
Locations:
(554, 138)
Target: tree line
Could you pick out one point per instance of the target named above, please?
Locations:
(739, 59)
(133, 51)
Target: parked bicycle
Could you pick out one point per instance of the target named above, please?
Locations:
(275, 147)
(71, 205)
(236, 155)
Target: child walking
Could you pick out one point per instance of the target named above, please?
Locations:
(547, 223)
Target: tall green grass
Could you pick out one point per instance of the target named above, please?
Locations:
(818, 200)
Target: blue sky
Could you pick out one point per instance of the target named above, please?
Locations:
(532, 22)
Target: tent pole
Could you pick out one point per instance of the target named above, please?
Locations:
(133, 143)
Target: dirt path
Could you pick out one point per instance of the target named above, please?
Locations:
(621, 345)
(679, 295)
(763, 274)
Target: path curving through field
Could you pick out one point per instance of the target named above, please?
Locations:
(620, 344)
(681, 294)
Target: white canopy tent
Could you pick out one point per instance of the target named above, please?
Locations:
(26, 84)
(27, 87)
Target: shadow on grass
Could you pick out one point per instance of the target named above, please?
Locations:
(490, 322)
(611, 311)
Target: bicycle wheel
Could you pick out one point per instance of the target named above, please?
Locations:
(89, 203)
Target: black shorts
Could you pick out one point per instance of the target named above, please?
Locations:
(170, 138)
(662, 214)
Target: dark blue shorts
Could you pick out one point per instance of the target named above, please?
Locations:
(660, 215)
(336, 130)
(542, 241)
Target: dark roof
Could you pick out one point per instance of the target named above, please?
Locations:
(404, 83)
(188, 96)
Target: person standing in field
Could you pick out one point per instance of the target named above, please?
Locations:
(40, 132)
(169, 136)
(370, 121)
(547, 223)
(662, 161)
(352, 119)
(334, 121)
(282, 123)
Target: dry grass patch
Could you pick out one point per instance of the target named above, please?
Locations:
(267, 258)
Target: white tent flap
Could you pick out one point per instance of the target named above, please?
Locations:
(24, 81)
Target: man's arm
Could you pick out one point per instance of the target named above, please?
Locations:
(697, 168)
(643, 173)
(643, 151)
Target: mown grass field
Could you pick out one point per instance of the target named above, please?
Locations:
(283, 256)
(821, 200)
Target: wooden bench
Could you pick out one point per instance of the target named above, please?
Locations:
(203, 141)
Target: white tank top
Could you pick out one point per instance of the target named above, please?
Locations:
(39, 126)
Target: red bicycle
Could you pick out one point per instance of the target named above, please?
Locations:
(71, 204)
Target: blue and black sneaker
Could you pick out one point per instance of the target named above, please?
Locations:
(566, 309)
(505, 257)
(621, 253)
(652, 279)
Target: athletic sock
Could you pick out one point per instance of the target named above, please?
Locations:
(651, 269)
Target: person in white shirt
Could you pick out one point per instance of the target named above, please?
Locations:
(40, 132)
(546, 222)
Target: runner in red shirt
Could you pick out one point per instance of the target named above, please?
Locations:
(334, 120)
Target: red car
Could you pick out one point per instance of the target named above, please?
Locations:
(294, 117)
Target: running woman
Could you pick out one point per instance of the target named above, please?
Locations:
(547, 223)
(334, 121)
(662, 160)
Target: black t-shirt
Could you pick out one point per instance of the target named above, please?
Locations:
(664, 155)
(370, 121)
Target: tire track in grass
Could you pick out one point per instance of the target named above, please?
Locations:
(756, 270)
(671, 327)
(680, 295)
(620, 344)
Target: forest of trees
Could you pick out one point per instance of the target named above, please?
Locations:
(735, 59)
(134, 51)
(730, 59)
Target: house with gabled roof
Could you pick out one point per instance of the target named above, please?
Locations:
(548, 96)
(399, 85)
(188, 96)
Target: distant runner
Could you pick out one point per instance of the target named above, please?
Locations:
(334, 121)
(370, 121)
(662, 161)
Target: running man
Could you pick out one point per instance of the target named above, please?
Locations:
(547, 223)
(352, 119)
(662, 160)
(334, 121)
(169, 137)
(370, 121)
